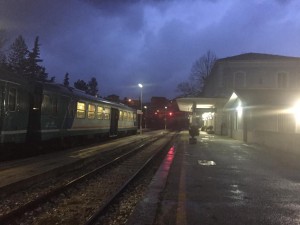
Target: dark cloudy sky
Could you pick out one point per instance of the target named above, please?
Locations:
(123, 43)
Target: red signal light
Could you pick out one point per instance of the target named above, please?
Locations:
(170, 113)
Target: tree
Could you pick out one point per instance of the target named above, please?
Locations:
(185, 88)
(81, 85)
(34, 70)
(200, 71)
(3, 61)
(2, 38)
(66, 80)
(18, 56)
(92, 87)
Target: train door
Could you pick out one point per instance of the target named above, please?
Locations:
(114, 118)
(13, 112)
(34, 120)
(1, 105)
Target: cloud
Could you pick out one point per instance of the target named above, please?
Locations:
(124, 42)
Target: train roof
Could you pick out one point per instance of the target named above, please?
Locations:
(73, 92)
(13, 78)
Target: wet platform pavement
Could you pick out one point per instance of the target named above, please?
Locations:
(218, 180)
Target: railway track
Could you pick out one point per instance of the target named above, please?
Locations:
(83, 199)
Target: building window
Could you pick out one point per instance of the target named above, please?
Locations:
(12, 99)
(282, 80)
(239, 79)
(91, 111)
(80, 110)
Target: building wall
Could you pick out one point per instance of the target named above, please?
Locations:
(278, 140)
(229, 75)
(267, 125)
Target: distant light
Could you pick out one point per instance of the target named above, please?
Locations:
(208, 116)
(140, 85)
(170, 113)
(204, 106)
(129, 100)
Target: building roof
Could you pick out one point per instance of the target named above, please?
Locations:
(186, 104)
(257, 56)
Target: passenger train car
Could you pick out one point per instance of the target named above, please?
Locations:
(32, 112)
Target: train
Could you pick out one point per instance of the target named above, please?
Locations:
(36, 112)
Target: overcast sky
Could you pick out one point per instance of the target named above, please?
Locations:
(123, 43)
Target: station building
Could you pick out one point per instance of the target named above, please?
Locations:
(251, 97)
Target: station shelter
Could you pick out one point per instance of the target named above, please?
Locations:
(266, 117)
(204, 112)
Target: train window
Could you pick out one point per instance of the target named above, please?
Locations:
(12, 99)
(80, 110)
(54, 105)
(121, 115)
(134, 116)
(45, 104)
(107, 113)
(129, 116)
(1, 100)
(125, 116)
(100, 113)
(91, 111)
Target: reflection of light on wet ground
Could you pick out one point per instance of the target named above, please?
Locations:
(206, 163)
(236, 193)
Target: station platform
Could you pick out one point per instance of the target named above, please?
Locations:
(25, 172)
(173, 195)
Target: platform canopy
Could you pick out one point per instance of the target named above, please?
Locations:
(201, 104)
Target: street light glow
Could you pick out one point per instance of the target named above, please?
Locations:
(141, 116)
(296, 111)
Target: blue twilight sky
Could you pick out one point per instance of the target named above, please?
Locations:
(123, 43)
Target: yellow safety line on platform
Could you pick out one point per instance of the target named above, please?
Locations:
(181, 209)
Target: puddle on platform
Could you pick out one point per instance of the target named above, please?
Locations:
(206, 163)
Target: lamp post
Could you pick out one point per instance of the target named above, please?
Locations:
(141, 128)
(166, 117)
(145, 117)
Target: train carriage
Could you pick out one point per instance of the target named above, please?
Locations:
(32, 112)
(68, 112)
(14, 108)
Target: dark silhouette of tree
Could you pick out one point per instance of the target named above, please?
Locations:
(3, 60)
(92, 87)
(81, 85)
(18, 56)
(34, 70)
(2, 38)
(66, 80)
(185, 88)
(52, 79)
(200, 71)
